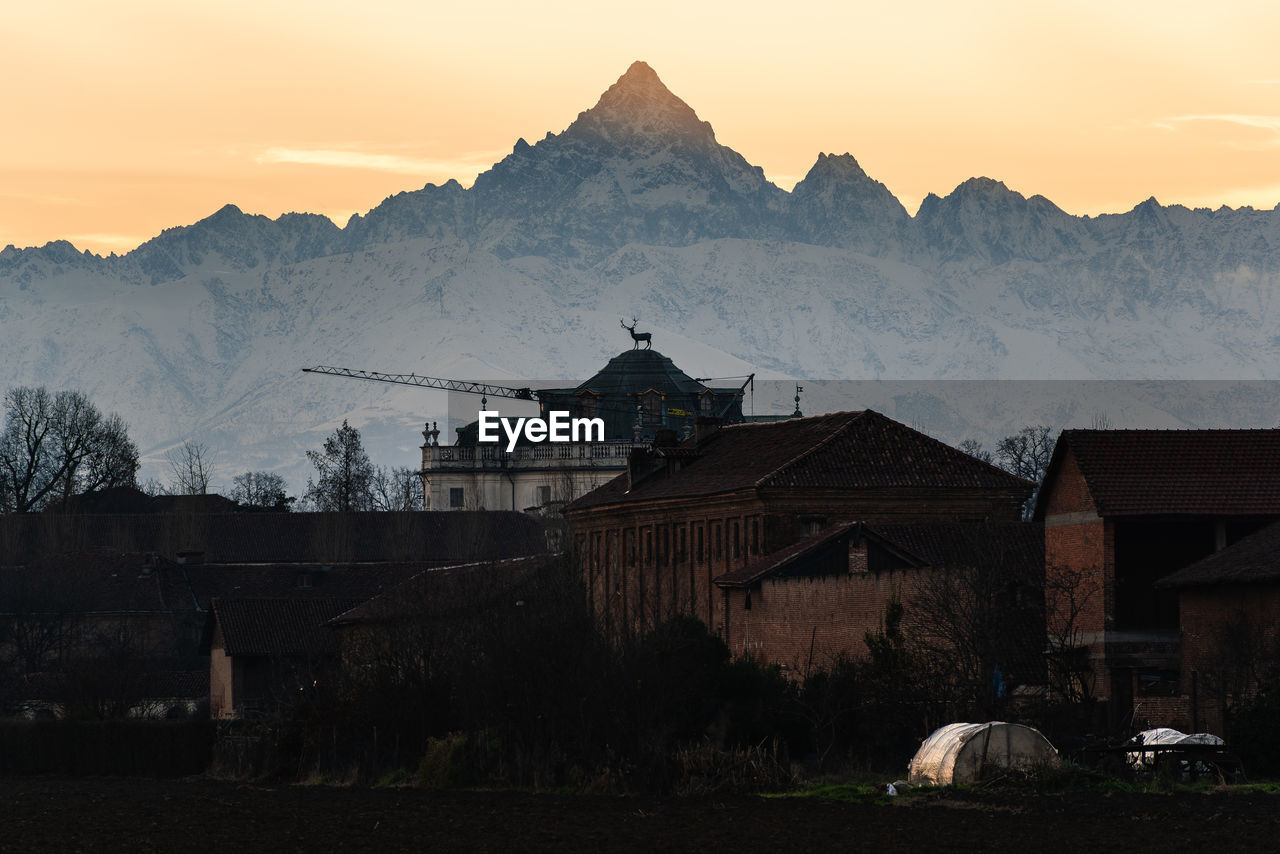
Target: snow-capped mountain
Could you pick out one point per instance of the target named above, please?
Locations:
(637, 210)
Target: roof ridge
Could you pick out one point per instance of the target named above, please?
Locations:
(844, 424)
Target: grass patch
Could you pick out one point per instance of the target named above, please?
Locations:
(398, 777)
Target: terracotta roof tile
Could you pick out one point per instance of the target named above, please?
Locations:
(441, 591)
(1254, 559)
(935, 544)
(1177, 472)
(843, 450)
(441, 538)
(279, 627)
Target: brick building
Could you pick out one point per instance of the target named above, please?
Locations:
(112, 612)
(1121, 510)
(654, 541)
(807, 604)
(1229, 627)
(264, 654)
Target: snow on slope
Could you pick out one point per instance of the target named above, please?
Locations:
(636, 210)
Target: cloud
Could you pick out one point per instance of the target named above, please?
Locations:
(1253, 121)
(1246, 119)
(467, 165)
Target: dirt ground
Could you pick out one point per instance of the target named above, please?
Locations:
(43, 814)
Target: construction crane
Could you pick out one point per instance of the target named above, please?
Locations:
(484, 390)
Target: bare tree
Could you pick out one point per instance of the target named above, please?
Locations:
(1068, 593)
(191, 465)
(974, 448)
(978, 622)
(54, 446)
(260, 490)
(1027, 454)
(397, 488)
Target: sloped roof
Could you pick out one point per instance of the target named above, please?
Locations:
(861, 450)
(968, 543)
(101, 583)
(278, 627)
(440, 591)
(441, 537)
(94, 583)
(1254, 559)
(253, 581)
(1175, 472)
(933, 544)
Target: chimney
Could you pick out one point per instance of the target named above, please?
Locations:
(635, 461)
(704, 427)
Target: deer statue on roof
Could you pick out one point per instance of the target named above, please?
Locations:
(637, 337)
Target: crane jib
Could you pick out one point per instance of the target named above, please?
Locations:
(427, 382)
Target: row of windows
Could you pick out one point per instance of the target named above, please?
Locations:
(661, 545)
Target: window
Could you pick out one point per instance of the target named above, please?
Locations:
(587, 405)
(544, 495)
(652, 405)
(455, 496)
(706, 403)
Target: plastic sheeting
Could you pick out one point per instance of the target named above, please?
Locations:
(963, 752)
(1166, 736)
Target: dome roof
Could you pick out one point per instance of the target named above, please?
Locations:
(639, 370)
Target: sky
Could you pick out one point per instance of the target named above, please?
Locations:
(126, 118)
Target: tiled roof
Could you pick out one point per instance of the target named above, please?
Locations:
(862, 450)
(935, 544)
(1254, 559)
(968, 543)
(441, 538)
(95, 583)
(279, 627)
(1177, 472)
(775, 562)
(343, 581)
(100, 583)
(442, 591)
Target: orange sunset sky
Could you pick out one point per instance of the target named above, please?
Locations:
(125, 118)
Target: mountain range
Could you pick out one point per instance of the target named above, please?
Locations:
(637, 210)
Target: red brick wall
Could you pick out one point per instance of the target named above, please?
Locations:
(1206, 663)
(795, 622)
(631, 586)
(1079, 553)
(1067, 491)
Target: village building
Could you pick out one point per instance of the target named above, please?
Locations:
(753, 516)
(267, 654)
(113, 614)
(1124, 509)
(638, 394)
(1228, 629)
(805, 606)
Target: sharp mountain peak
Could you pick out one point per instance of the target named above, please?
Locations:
(640, 105)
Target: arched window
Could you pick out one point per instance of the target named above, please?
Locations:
(651, 405)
